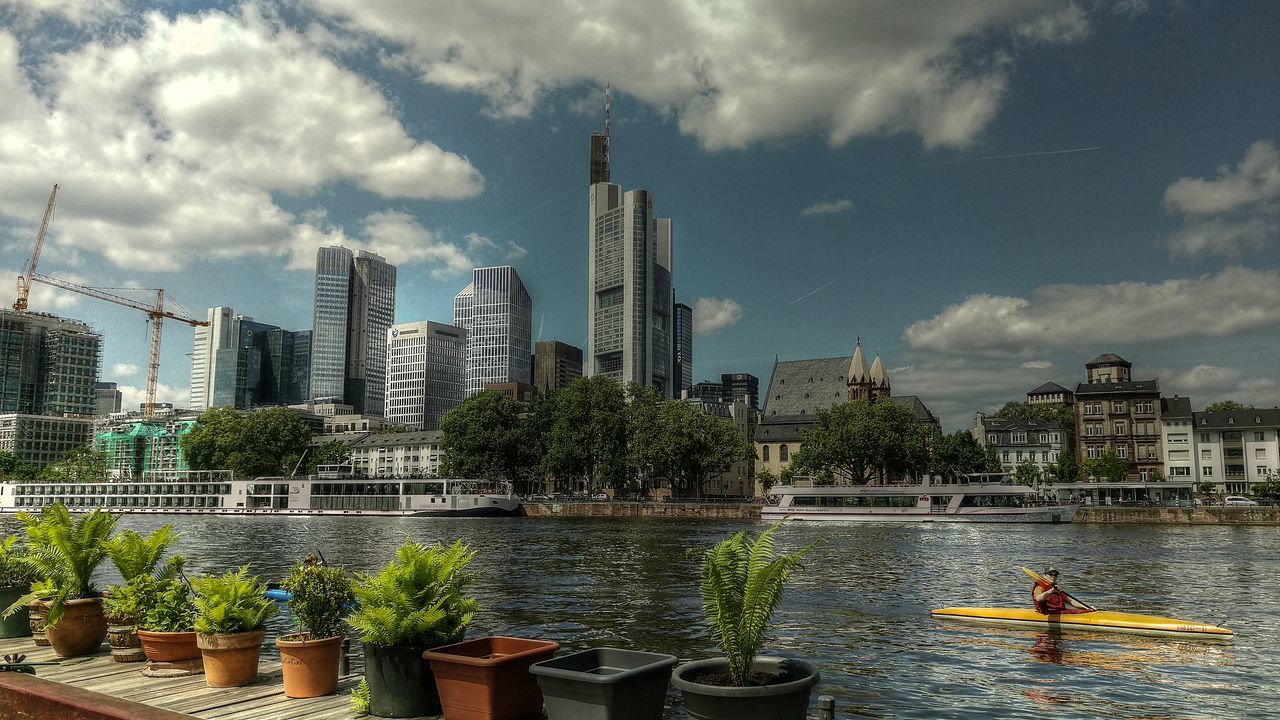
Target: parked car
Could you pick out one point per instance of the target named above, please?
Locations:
(540, 498)
(602, 496)
(1239, 501)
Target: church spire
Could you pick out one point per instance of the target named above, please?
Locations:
(878, 376)
(858, 365)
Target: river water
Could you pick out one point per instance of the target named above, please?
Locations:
(860, 607)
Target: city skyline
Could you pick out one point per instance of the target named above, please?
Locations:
(989, 196)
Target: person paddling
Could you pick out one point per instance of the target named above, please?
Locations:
(1049, 599)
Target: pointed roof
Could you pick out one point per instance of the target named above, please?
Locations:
(1047, 388)
(878, 376)
(858, 365)
(1108, 359)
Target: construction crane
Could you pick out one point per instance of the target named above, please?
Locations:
(156, 315)
(24, 280)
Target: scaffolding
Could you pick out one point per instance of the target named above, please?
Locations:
(139, 448)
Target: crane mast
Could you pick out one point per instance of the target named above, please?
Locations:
(24, 280)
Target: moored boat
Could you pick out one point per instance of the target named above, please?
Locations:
(1097, 621)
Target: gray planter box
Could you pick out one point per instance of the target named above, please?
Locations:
(787, 700)
(605, 684)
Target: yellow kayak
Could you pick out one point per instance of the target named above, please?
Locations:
(1099, 620)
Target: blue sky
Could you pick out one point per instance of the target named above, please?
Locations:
(988, 193)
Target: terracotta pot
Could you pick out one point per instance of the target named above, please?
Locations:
(19, 623)
(168, 646)
(310, 667)
(81, 629)
(489, 679)
(125, 646)
(231, 660)
(37, 612)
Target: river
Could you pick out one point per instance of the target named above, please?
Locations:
(860, 607)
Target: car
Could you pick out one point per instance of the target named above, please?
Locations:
(602, 496)
(1238, 501)
(540, 498)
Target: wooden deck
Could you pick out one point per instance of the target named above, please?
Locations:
(264, 700)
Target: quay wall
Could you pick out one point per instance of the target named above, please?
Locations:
(1180, 516)
(31, 698)
(705, 510)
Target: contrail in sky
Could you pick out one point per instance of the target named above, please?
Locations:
(1019, 155)
(541, 323)
(816, 290)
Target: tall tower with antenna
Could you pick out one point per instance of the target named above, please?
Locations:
(599, 171)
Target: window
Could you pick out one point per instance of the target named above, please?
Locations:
(1092, 451)
(1180, 472)
(1019, 456)
(1204, 437)
(1120, 427)
(1006, 456)
(992, 439)
(1143, 406)
(1142, 475)
(1044, 438)
(1117, 406)
(1206, 454)
(1259, 453)
(783, 455)
(764, 453)
(1259, 436)
(1044, 457)
(1122, 451)
(1262, 470)
(1019, 438)
(1206, 471)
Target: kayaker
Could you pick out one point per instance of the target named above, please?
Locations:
(1049, 599)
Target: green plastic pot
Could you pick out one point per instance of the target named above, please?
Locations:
(19, 623)
(401, 684)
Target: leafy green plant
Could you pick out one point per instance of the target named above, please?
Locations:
(360, 698)
(63, 551)
(169, 605)
(231, 603)
(417, 599)
(127, 604)
(135, 555)
(742, 585)
(14, 572)
(320, 596)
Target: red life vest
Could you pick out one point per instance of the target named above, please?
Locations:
(1052, 604)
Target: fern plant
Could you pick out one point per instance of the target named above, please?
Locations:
(135, 555)
(14, 572)
(417, 599)
(63, 551)
(231, 603)
(129, 603)
(741, 588)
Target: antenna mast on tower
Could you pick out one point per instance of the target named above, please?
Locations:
(608, 97)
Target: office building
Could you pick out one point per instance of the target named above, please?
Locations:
(741, 387)
(48, 365)
(682, 360)
(706, 391)
(109, 398)
(426, 373)
(355, 305)
(497, 312)
(555, 365)
(42, 439)
(241, 363)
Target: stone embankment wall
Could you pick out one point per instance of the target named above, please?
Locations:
(709, 511)
(1180, 516)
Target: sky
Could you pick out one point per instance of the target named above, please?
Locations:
(989, 193)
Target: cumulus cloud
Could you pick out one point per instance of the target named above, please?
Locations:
(124, 370)
(76, 12)
(132, 398)
(1210, 383)
(1233, 301)
(1238, 210)
(1036, 365)
(711, 315)
(830, 207)
(170, 143)
(395, 235)
(734, 74)
(514, 251)
(45, 298)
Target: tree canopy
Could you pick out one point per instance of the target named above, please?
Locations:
(862, 440)
(484, 437)
(960, 452)
(1227, 406)
(266, 442)
(1109, 467)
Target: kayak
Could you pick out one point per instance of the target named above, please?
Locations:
(1099, 621)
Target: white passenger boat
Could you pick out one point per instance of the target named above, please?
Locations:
(216, 493)
(974, 497)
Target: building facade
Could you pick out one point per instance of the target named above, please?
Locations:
(109, 398)
(739, 481)
(355, 305)
(682, 359)
(426, 373)
(497, 312)
(241, 363)
(137, 446)
(414, 454)
(1115, 413)
(555, 365)
(1019, 441)
(1178, 439)
(741, 387)
(1236, 450)
(41, 439)
(48, 365)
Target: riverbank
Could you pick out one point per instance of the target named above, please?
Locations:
(1102, 515)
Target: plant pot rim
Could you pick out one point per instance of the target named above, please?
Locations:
(83, 600)
(656, 662)
(810, 677)
(166, 633)
(448, 653)
(290, 641)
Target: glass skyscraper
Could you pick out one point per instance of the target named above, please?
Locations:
(238, 362)
(497, 312)
(683, 361)
(426, 373)
(355, 305)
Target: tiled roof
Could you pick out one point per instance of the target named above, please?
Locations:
(1048, 388)
(1237, 419)
(1118, 387)
(1108, 359)
(803, 387)
(998, 424)
(915, 405)
(1175, 407)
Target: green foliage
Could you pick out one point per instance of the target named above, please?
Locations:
(742, 584)
(231, 603)
(1066, 470)
(484, 438)
(265, 442)
(63, 551)
(1269, 486)
(15, 572)
(360, 698)
(766, 479)
(14, 470)
(1026, 473)
(1054, 414)
(320, 596)
(958, 452)
(126, 604)
(588, 436)
(1156, 475)
(417, 599)
(865, 440)
(691, 445)
(333, 452)
(134, 555)
(169, 605)
(1206, 487)
(78, 465)
(1226, 406)
(1108, 467)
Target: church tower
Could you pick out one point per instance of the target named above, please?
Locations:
(866, 384)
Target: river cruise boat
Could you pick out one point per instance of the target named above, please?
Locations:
(974, 497)
(332, 492)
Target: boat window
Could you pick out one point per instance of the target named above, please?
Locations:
(991, 501)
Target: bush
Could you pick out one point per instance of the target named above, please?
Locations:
(63, 551)
(417, 599)
(320, 598)
(15, 572)
(231, 603)
(169, 605)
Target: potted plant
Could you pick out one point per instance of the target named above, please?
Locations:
(741, 588)
(416, 602)
(319, 597)
(166, 627)
(134, 556)
(231, 618)
(16, 577)
(64, 551)
(605, 684)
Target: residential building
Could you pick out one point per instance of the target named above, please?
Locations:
(426, 373)
(108, 397)
(555, 365)
(1178, 439)
(1051, 393)
(414, 454)
(48, 365)
(682, 359)
(241, 363)
(738, 481)
(629, 300)
(1237, 449)
(1118, 414)
(497, 312)
(41, 439)
(520, 392)
(137, 446)
(355, 305)
(1019, 441)
(738, 386)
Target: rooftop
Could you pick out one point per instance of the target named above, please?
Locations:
(803, 387)
(1108, 359)
(1130, 386)
(1048, 389)
(1238, 419)
(1175, 407)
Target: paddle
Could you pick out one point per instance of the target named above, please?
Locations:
(1034, 576)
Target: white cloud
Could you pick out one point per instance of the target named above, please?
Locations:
(1036, 365)
(170, 144)
(1209, 383)
(395, 235)
(1235, 300)
(514, 251)
(476, 241)
(45, 298)
(76, 12)
(120, 370)
(831, 207)
(733, 74)
(1238, 210)
(711, 315)
(131, 398)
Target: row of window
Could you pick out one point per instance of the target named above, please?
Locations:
(784, 455)
(1140, 407)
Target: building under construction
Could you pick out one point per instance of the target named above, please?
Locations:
(138, 447)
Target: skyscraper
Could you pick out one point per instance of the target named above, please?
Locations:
(555, 365)
(109, 398)
(741, 387)
(239, 362)
(48, 365)
(629, 326)
(355, 304)
(683, 361)
(497, 312)
(426, 373)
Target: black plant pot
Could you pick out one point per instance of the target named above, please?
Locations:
(786, 700)
(17, 624)
(605, 684)
(401, 684)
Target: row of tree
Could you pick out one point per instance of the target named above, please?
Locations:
(263, 443)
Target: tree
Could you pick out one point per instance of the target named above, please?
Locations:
(645, 433)
(482, 438)
(78, 465)
(588, 436)
(1206, 487)
(266, 442)
(1108, 467)
(993, 460)
(333, 452)
(766, 479)
(1026, 473)
(1227, 406)
(1156, 475)
(692, 445)
(1053, 414)
(959, 452)
(1067, 470)
(863, 440)
(14, 470)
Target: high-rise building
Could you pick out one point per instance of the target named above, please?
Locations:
(683, 355)
(741, 385)
(426, 373)
(48, 365)
(629, 326)
(556, 364)
(109, 398)
(497, 312)
(355, 305)
(239, 362)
